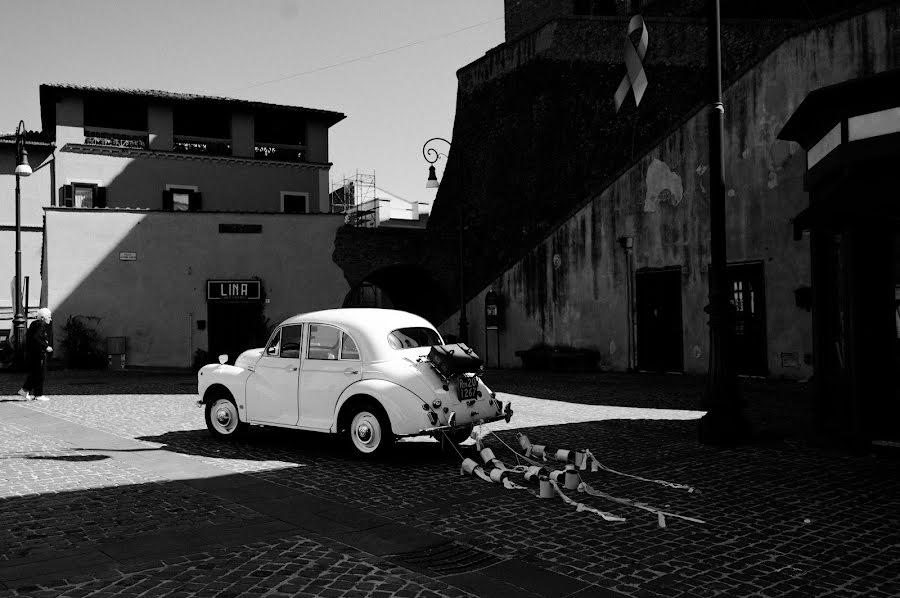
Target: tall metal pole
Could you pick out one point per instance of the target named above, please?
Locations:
(19, 318)
(431, 156)
(724, 423)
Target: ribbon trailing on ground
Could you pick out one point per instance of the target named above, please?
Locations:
(660, 514)
(579, 506)
(585, 459)
(636, 77)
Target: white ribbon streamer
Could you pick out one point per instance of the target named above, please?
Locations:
(599, 465)
(583, 507)
(661, 515)
(636, 78)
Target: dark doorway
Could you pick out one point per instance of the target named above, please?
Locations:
(749, 299)
(659, 328)
(405, 287)
(233, 328)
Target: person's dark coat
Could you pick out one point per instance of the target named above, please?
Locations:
(37, 339)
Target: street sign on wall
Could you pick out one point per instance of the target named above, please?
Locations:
(233, 290)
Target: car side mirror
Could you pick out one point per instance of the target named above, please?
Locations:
(223, 358)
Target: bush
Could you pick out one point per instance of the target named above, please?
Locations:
(82, 344)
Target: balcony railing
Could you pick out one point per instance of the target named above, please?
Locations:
(201, 145)
(282, 153)
(116, 138)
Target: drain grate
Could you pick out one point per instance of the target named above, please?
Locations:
(445, 559)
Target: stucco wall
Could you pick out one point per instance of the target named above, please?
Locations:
(156, 300)
(138, 182)
(662, 201)
(35, 196)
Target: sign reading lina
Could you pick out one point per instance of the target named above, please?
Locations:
(232, 290)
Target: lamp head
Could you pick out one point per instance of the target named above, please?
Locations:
(23, 168)
(432, 182)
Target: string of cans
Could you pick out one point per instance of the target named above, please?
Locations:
(537, 471)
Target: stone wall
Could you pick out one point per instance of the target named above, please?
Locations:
(549, 166)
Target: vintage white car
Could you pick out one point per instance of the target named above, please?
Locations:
(362, 372)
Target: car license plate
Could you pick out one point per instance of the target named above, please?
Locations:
(467, 388)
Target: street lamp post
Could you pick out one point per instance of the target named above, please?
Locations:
(724, 422)
(22, 169)
(431, 156)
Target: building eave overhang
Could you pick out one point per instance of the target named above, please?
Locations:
(124, 152)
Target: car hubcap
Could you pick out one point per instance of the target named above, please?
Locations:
(366, 432)
(224, 417)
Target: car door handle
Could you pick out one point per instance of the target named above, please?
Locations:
(350, 372)
(293, 369)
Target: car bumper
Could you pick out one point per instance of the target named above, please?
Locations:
(506, 415)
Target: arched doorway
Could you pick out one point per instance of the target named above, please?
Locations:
(405, 287)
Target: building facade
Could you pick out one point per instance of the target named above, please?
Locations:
(614, 207)
(177, 225)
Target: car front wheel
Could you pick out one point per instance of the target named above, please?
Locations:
(222, 419)
(370, 430)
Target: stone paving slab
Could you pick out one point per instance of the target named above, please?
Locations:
(783, 517)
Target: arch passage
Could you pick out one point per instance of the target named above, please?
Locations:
(407, 287)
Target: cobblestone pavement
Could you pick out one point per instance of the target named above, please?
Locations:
(114, 461)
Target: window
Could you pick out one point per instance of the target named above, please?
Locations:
(410, 338)
(181, 198)
(348, 347)
(284, 128)
(323, 342)
(274, 345)
(290, 341)
(293, 203)
(83, 195)
(115, 113)
(201, 120)
(285, 342)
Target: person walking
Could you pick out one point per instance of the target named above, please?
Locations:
(37, 348)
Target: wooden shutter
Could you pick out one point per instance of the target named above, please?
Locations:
(68, 195)
(195, 203)
(168, 202)
(100, 197)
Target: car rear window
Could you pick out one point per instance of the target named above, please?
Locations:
(410, 338)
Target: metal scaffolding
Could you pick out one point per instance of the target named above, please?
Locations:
(355, 197)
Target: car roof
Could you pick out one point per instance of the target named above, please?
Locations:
(367, 325)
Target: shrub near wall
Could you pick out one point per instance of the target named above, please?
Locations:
(82, 344)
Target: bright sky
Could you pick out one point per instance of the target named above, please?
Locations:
(395, 79)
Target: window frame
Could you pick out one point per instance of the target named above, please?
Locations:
(180, 190)
(309, 336)
(275, 333)
(304, 194)
(95, 192)
(341, 348)
(281, 341)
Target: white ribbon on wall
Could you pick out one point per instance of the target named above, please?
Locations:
(636, 77)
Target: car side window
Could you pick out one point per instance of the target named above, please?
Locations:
(274, 345)
(323, 342)
(348, 347)
(290, 341)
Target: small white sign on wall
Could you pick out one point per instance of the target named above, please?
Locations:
(127, 256)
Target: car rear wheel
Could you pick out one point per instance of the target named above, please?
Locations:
(459, 435)
(369, 430)
(222, 419)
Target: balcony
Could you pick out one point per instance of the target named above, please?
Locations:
(116, 138)
(280, 152)
(206, 146)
